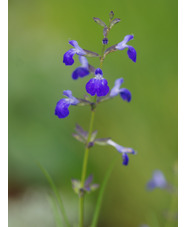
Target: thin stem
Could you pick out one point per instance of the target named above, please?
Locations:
(87, 149)
(84, 170)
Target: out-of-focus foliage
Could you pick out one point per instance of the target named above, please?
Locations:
(39, 32)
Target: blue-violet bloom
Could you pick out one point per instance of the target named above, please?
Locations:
(158, 181)
(131, 51)
(68, 56)
(97, 85)
(123, 150)
(124, 93)
(62, 105)
(81, 71)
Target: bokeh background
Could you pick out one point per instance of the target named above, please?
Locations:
(39, 31)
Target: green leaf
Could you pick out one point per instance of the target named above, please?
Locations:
(57, 194)
(101, 193)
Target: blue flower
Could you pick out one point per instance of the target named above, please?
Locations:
(123, 150)
(97, 85)
(131, 51)
(158, 181)
(124, 93)
(68, 56)
(62, 105)
(81, 71)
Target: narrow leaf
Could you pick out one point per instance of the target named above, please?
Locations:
(57, 194)
(101, 192)
(55, 209)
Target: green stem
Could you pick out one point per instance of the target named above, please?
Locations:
(84, 170)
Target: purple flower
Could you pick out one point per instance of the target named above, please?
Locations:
(68, 56)
(123, 150)
(124, 93)
(123, 44)
(97, 85)
(81, 71)
(62, 105)
(157, 181)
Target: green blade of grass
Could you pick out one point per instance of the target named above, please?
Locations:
(55, 209)
(101, 192)
(56, 192)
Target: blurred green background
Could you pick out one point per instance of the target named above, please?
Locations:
(39, 32)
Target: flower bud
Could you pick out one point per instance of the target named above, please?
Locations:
(105, 41)
(111, 15)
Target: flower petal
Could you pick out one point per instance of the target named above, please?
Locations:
(131, 53)
(80, 72)
(84, 62)
(68, 57)
(98, 71)
(61, 109)
(97, 86)
(71, 99)
(79, 50)
(115, 90)
(125, 94)
(102, 87)
(125, 159)
(91, 86)
(127, 38)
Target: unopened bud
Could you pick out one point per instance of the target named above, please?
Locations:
(111, 15)
(105, 41)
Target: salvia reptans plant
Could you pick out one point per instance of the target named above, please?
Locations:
(98, 91)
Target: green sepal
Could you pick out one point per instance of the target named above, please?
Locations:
(109, 50)
(115, 21)
(83, 102)
(99, 21)
(78, 137)
(90, 53)
(111, 15)
(102, 141)
(93, 136)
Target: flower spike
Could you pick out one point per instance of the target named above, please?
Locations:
(97, 85)
(68, 56)
(124, 93)
(131, 51)
(62, 105)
